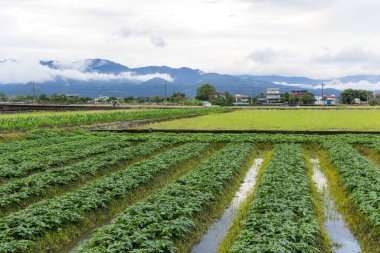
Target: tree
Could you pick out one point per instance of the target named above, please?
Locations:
(308, 98)
(205, 91)
(348, 96)
(129, 99)
(156, 99)
(223, 99)
(3, 97)
(285, 98)
(294, 100)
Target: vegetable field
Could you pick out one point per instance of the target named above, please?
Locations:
(79, 191)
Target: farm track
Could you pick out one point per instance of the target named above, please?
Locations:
(231, 131)
(19, 193)
(70, 210)
(115, 126)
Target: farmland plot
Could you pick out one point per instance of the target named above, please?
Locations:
(167, 192)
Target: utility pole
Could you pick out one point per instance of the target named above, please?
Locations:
(323, 101)
(166, 101)
(34, 98)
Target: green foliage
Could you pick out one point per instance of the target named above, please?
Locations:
(360, 178)
(348, 96)
(36, 185)
(19, 230)
(45, 157)
(281, 217)
(81, 118)
(205, 91)
(154, 224)
(249, 137)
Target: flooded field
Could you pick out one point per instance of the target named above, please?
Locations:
(339, 233)
(210, 242)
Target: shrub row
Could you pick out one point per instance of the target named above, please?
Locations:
(80, 118)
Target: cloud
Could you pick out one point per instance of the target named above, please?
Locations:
(157, 41)
(127, 32)
(212, 35)
(267, 56)
(350, 55)
(22, 72)
(304, 86)
(363, 84)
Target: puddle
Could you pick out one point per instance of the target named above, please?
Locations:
(210, 241)
(340, 235)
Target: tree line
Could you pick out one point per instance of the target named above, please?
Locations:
(205, 92)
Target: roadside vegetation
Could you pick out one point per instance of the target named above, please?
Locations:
(22, 122)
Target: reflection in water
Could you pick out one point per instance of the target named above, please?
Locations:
(211, 240)
(340, 235)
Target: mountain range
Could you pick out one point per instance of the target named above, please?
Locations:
(96, 77)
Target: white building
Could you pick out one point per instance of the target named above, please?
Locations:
(273, 95)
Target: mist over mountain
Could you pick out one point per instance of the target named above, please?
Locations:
(95, 77)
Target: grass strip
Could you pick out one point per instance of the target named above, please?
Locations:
(157, 222)
(281, 217)
(20, 231)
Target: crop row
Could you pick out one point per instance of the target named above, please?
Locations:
(254, 137)
(19, 230)
(44, 158)
(360, 178)
(19, 190)
(281, 217)
(9, 149)
(60, 119)
(154, 224)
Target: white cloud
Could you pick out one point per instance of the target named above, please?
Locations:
(363, 84)
(268, 56)
(23, 72)
(325, 39)
(157, 41)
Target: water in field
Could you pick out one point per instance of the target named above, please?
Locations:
(211, 240)
(340, 235)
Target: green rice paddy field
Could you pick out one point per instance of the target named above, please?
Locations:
(280, 120)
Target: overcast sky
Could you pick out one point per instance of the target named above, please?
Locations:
(315, 38)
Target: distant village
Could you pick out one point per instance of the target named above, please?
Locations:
(273, 96)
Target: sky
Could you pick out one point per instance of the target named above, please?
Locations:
(318, 39)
